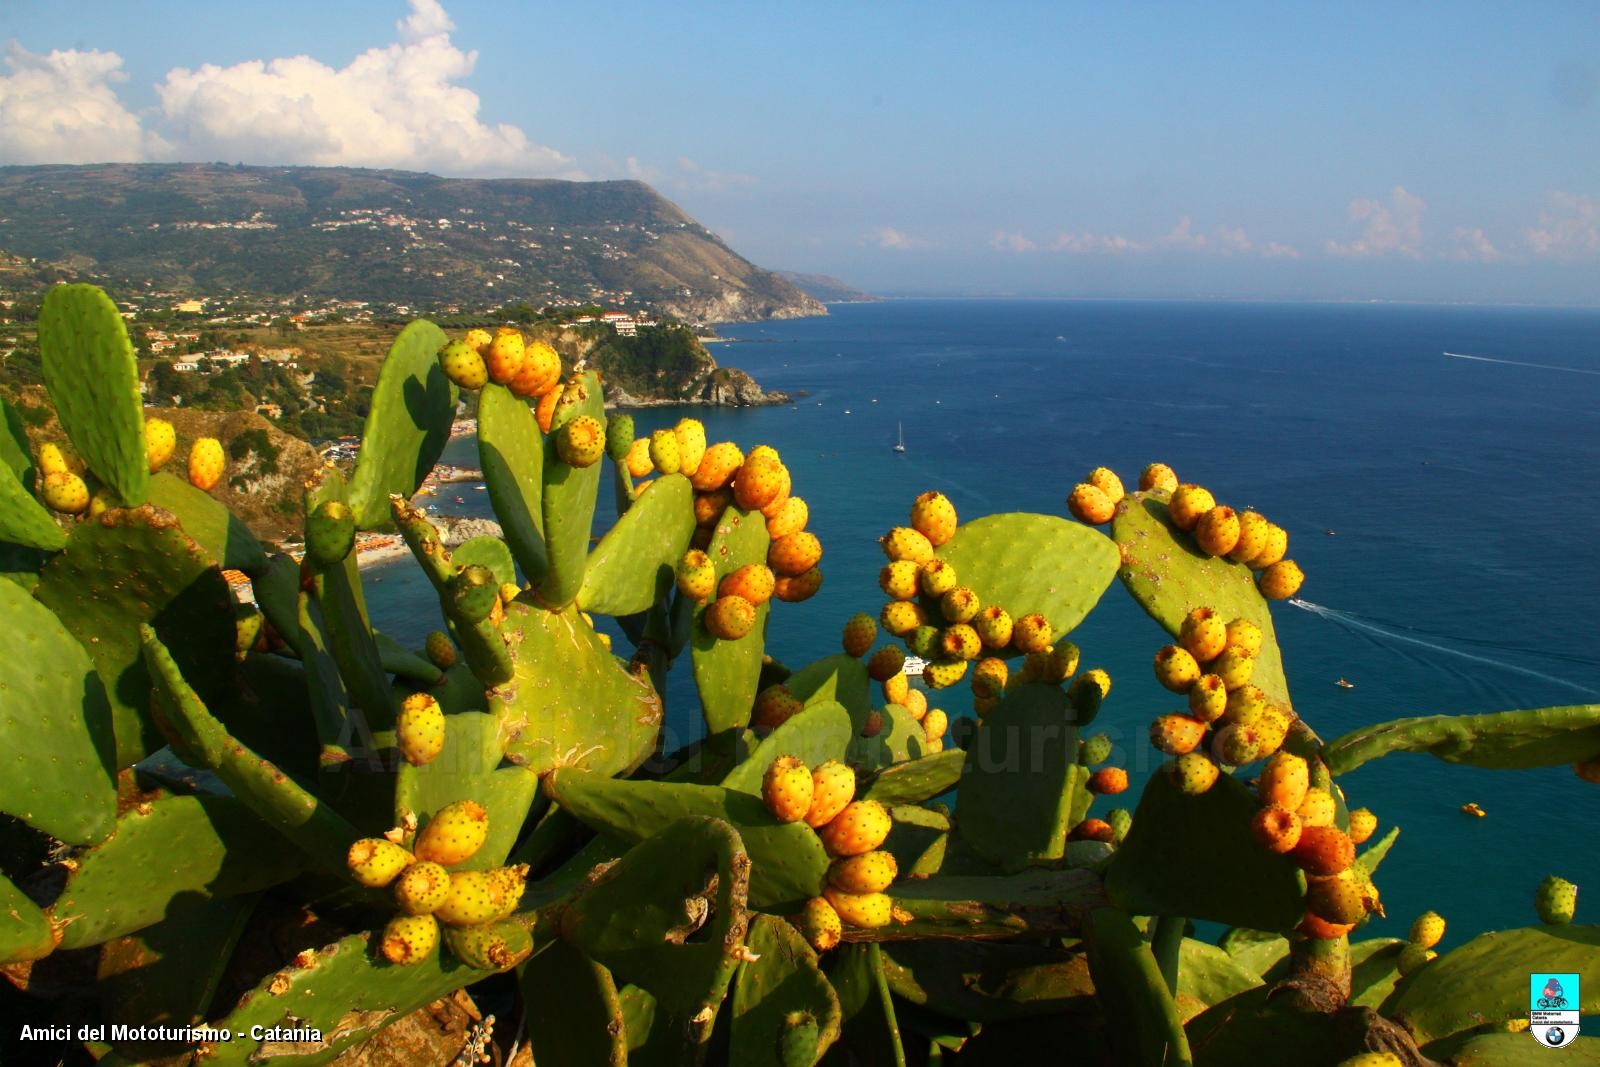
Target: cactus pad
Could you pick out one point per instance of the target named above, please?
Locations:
(1050, 903)
(16, 452)
(916, 781)
(1142, 1019)
(626, 569)
(568, 498)
(469, 769)
(818, 734)
(781, 977)
(511, 453)
(727, 673)
(1207, 975)
(488, 552)
(407, 425)
(23, 520)
(210, 523)
(57, 746)
(24, 930)
(989, 981)
(841, 678)
(1540, 737)
(93, 380)
(574, 1014)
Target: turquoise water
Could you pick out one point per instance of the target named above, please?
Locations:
(1444, 510)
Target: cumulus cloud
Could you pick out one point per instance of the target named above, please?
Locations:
(1569, 227)
(398, 105)
(1472, 245)
(60, 107)
(1183, 237)
(687, 176)
(1394, 228)
(891, 239)
(1006, 241)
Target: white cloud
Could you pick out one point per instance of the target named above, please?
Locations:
(60, 107)
(1392, 228)
(1569, 227)
(1183, 237)
(1473, 246)
(687, 176)
(398, 105)
(1095, 244)
(891, 239)
(1005, 241)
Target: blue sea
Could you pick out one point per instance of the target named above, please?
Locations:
(1445, 511)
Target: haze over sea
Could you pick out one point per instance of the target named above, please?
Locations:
(1444, 510)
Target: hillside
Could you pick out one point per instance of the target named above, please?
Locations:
(382, 236)
(826, 288)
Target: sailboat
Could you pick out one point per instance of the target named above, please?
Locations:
(900, 445)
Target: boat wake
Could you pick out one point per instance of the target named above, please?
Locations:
(1520, 363)
(1360, 624)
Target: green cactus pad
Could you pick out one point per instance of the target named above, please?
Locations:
(727, 673)
(989, 981)
(1507, 1050)
(253, 712)
(1207, 975)
(789, 863)
(1142, 1019)
(138, 566)
(1169, 577)
(574, 1014)
(840, 678)
(511, 453)
(404, 663)
(568, 499)
(1257, 951)
(569, 702)
(407, 425)
(1375, 852)
(625, 571)
(169, 853)
(1486, 980)
(1034, 563)
(93, 381)
(901, 739)
(1196, 856)
(1374, 970)
(1034, 901)
(210, 523)
(1503, 740)
(16, 452)
(488, 552)
(57, 745)
(871, 1032)
(24, 930)
(916, 781)
(1018, 778)
(1255, 1027)
(668, 916)
(23, 520)
(351, 643)
(469, 768)
(917, 840)
(784, 979)
(819, 733)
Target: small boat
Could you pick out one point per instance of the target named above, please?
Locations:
(1344, 684)
(900, 445)
(1473, 810)
(913, 666)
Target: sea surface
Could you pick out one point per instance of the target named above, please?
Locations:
(1446, 511)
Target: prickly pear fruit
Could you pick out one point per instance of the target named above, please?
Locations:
(833, 784)
(1246, 634)
(1276, 829)
(1176, 669)
(1246, 705)
(1253, 530)
(664, 451)
(900, 617)
(869, 872)
(859, 633)
(1093, 678)
(936, 578)
(490, 946)
(638, 459)
(1096, 749)
(915, 703)
(924, 641)
(375, 861)
(1158, 476)
(905, 543)
(441, 653)
(774, 706)
(708, 507)
(1413, 958)
(1323, 850)
(759, 481)
(944, 672)
(791, 518)
(1236, 745)
(455, 832)
(1281, 580)
(781, 497)
(696, 576)
(1284, 781)
(1336, 900)
(474, 592)
(867, 911)
(1032, 633)
(787, 788)
(421, 888)
(51, 460)
(1277, 545)
(1427, 929)
(1188, 503)
(994, 626)
(1362, 825)
(730, 617)
(1208, 698)
(478, 339)
(419, 729)
(896, 688)
(1121, 821)
(1318, 808)
(330, 532)
(206, 463)
(1108, 781)
(885, 663)
(509, 591)
(717, 467)
(1235, 667)
(934, 517)
(581, 441)
(898, 579)
(960, 604)
(819, 925)
(935, 724)
(1556, 900)
(65, 492)
(989, 677)
(505, 356)
(619, 438)
(1176, 734)
(1195, 773)
(474, 897)
(463, 365)
(511, 882)
(1093, 830)
(409, 939)
(960, 641)
(1588, 770)
(1217, 532)
(1105, 479)
(861, 827)
(751, 581)
(691, 435)
(1090, 506)
(794, 554)
(1204, 634)
(159, 441)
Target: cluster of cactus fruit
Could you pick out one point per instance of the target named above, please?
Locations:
(833, 871)
(63, 487)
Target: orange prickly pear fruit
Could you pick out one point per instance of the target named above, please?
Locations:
(1176, 669)
(1176, 734)
(1208, 698)
(792, 589)
(544, 412)
(794, 554)
(1253, 530)
(475, 897)
(1284, 781)
(859, 633)
(775, 705)
(696, 576)
(441, 651)
(781, 497)
(833, 784)
(1090, 506)
(421, 888)
(959, 604)
(455, 832)
(1032, 633)
(1275, 829)
(1337, 900)
(1246, 634)
(1323, 850)
(375, 862)
(1093, 830)
(409, 939)
(638, 458)
(540, 371)
(868, 911)
(758, 482)
(786, 788)
(1588, 770)
(885, 663)
(505, 356)
(1108, 781)
(730, 617)
(819, 924)
(420, 729)
(960, 641)
(791, 518)
(1362, 825)
(1204, 634)
(934, 517)
(905, 543)
(1319, 929)
(708, 507)
(691, 435)
(869, 872)
(994, 626)
(206, 463)
(1188, 503)
(1277, 545)
(1217, 532)
(159, 441)
(1318, 808)
(936, 578)
(1158, 476)
(752, 581)
(1106, 480)
(717, 467)
(1281, 580)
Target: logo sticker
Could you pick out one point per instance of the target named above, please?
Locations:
(1553, 1001)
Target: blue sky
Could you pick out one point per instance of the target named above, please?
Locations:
(1360, 151)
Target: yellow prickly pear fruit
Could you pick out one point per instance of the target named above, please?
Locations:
(505, 356)
(832, 786)
(1204, 634)
(1094, 678)
(1281, 580)
(160, 439)
(900, 617)
(1246, 634)
(463, 365)
(509, 883)
(455, 833)
(1158, 476)
(1188, 503)
(934, 517)
(1090, 506)
(478, 340)
(419, 729)
(936, 578)
(206, 463)
(905, 543)
(820, 925)
(916, 704)
(1362, 826)
(787, 788)
(1208, 698)
(1428, 929)
(861, 827)
(1284, 781)
(960, 604)
(870, 872)
(664, 451)
(581, 441)
(1176, 669)
(898, 579)
(1337, 899)
(995, 627)
(421, 888)
(1106, 480)
(989, 677)
(638, 459)
(1318, 808)
(409, 939)
(1235, 667)
(691, 435)
(474, 897)
(65, 492)
(1277, 544)
(791, 518)
(1060, 662)
(1253, 531)
(375, 861)
(866, 911)
(696, 576)
(51, 460)
(1217, 531)
(895, 688)
(934, 724)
